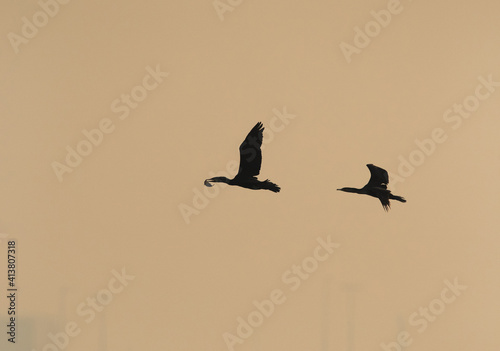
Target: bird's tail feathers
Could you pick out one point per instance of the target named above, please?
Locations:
(267, 184)
(398, 198)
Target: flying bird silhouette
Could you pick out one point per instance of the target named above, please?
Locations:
(377, 187)
(250, 161)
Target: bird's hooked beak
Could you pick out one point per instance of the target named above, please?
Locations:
(207, 183)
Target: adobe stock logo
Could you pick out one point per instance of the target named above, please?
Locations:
(455, 115)
(94, 137)
(293, 277)
(223, 6)
(427, 314)
(30, 27)
(89, 309)
(372, 29)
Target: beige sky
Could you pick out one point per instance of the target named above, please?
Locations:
(199, 80)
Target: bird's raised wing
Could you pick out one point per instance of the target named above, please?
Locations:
(379, 177)
(250, 154)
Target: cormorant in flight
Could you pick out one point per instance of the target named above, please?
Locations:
(377, 187)
(250, 161)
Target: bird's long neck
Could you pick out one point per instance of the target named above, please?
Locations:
(351, 190)
(219, 180)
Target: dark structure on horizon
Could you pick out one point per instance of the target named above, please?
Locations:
(250, 161)
(377, 187)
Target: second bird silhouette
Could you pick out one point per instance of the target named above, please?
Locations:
(250, 161)
(377, 187)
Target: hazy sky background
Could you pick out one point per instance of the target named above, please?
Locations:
(121, 206)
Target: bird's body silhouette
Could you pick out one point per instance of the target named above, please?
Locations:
(250, 162)
(377, 187)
